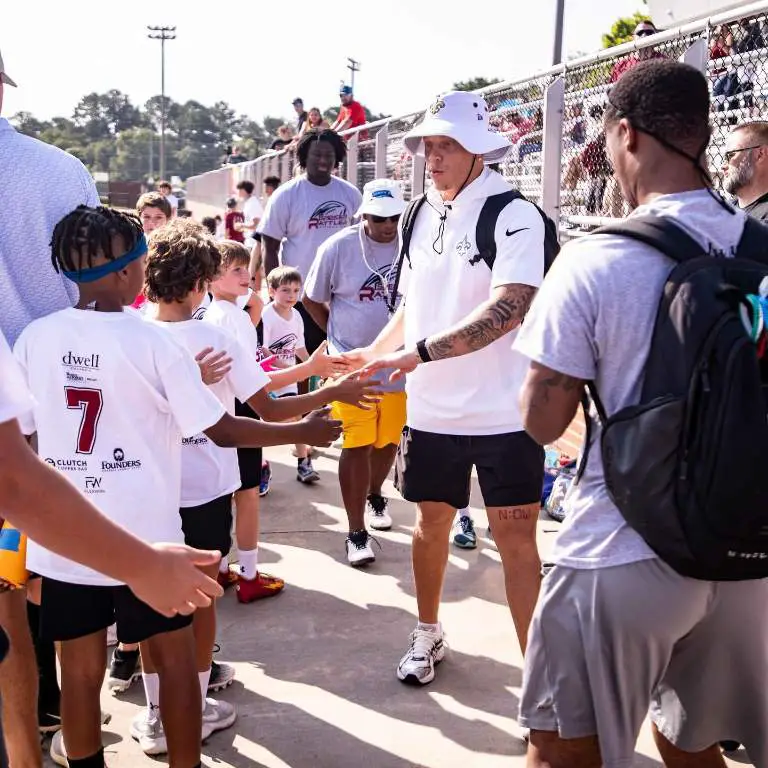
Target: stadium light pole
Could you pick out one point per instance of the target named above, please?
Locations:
(353, 66)
(162, 34)
(557, 56)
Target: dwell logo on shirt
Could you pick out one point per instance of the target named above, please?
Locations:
(329, 215)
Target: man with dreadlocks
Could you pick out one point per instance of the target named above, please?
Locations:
(302, 214)
(129, 395)
(616, 629)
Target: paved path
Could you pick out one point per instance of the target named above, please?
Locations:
(316, 684)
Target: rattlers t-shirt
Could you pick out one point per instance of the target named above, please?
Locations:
(303, 215)
(209, 471)
(283, 337)
(114, 397)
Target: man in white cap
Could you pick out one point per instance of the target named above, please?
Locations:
(348, 293)
(456, 325)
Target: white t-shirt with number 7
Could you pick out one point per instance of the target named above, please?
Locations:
(114, 398)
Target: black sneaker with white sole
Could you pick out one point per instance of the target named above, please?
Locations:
(305, 472)
(379, 517)
(222, 675)
(359, 549)
(124, 668)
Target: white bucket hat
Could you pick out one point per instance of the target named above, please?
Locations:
(463, 117)
(382, 197)
(7, 80)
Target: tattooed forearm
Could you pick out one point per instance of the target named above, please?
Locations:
(548, 402)
(542, 393)
(490, 321)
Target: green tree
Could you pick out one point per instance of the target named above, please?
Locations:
(623, 29)
(475, 83)
(28, 124)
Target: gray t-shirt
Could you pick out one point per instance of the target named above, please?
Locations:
(593, 318)
(303, 216)
(357, 291)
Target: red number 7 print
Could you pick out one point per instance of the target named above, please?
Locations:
(90, 402)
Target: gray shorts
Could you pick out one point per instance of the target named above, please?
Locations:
(606, 645)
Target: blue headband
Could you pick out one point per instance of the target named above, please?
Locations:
(96, 273)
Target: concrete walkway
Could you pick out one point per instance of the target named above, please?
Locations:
(316, 685)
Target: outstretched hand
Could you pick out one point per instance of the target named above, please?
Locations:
(213, 366)
(402, 362)
(171, 581)
(355, 389)
(324, 365)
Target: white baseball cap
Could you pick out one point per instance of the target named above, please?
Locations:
(463, 117)
(382, 197)
(7, 80)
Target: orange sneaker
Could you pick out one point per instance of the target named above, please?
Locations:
(228, 579)
(264, 585)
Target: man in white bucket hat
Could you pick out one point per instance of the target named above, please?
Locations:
(456, 326)
(348, 294)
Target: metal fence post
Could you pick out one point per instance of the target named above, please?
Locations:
(697, 55)
(418, 168)
(552, 145)
(352, 143)
(381, 151)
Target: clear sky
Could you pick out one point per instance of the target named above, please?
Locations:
(259, 55)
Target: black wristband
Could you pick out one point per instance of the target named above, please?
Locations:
(421, 348)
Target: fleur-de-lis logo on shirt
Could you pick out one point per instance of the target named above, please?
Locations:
(437, 106)
(463, 247)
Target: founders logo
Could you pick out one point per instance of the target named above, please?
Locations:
(120, 463)
(80, 362)
(68, 465)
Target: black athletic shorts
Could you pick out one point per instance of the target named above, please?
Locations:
(434, 467)
(69, 611)
(314, 335)
(209, 525)
(248, 459)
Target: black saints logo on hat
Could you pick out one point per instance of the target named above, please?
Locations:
(437, 106)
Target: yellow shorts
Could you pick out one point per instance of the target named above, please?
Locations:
(380, 426)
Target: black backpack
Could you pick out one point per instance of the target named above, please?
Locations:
(686, 466)
(485, 233)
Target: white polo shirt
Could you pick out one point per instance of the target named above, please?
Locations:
(475, 394)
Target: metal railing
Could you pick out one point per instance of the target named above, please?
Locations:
(554, 123)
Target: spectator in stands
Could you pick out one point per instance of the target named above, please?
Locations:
(164, 188)
(252, 211)
(301, 114)
(643, 29)
(748, 36)
(745, 168)
(232, 219)
(304, 212)
(351, 114)
(535, 143)
(315, 122)
(727, 83)
(284, 138)
(235, 156)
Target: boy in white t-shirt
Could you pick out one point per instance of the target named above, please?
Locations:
(283, 336)
(231, 282)
(114, 396)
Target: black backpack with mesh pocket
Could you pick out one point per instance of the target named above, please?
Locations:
(686, 466)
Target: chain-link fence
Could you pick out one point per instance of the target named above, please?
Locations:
(553, 121)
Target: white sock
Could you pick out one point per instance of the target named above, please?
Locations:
(249, 562)
(223, 565)
(151, 688)
(465, 513)
(204, 678)
(435, 629)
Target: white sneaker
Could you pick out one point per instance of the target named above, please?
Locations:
(58, 751)
(418, 665)
(359, 550)
(380, 519)
(147, 729)
(112, 636)
(217, 716)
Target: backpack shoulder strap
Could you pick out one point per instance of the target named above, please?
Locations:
(660, 232)
(754, 241)
(408, 222)
(485, 232)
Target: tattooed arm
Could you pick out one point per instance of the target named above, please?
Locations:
(548, 402)
(502, 313)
